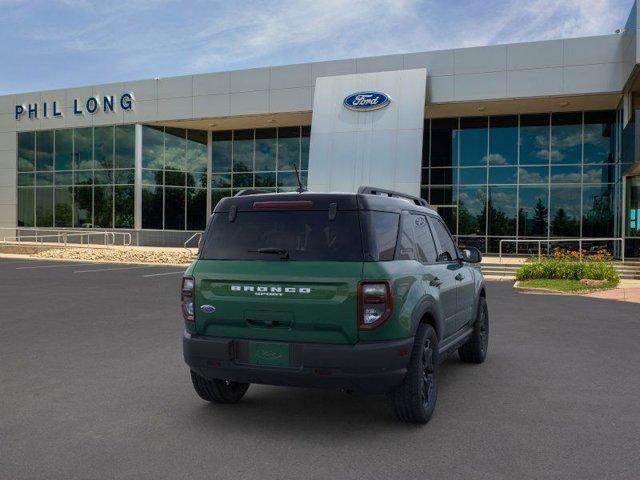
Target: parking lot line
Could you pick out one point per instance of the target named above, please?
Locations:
(57, 265)
(164, 273)
(115, 268)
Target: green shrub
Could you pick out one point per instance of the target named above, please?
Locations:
(567, 270)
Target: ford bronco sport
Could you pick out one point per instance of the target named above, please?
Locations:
(363, 292)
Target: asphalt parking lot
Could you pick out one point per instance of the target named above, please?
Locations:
(93, 386)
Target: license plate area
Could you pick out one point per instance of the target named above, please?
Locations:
(268, 354)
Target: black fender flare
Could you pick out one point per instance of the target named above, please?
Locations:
(427, 306)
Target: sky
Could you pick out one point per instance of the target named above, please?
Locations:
(48, 44)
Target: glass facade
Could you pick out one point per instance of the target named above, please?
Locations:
(264, 158)
(534, 176)
(174, 178)
(538, 176)
(80, 177)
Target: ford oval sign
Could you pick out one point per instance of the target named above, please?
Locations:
(208, 308)
(366, 101)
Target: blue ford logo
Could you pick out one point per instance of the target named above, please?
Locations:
(207, 308)
(366, 101)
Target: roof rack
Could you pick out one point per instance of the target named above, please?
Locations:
(391, 193)
(249, 191)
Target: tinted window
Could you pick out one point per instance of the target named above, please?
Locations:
(406, 243)
(305, 235)
(382, 234)
(424, 241)
(447, 247)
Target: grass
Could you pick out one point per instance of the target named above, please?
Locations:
(564, 286)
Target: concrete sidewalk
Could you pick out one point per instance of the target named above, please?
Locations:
(627, 291)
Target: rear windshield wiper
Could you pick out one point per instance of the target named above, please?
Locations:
(283, 252)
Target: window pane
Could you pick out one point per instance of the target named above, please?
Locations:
(83, 148)
(443, 142)
(103, 147)
(152, 207)
(473, 141)
(599, 173)
(103, 207)
(597, 211)
(443, 176)
(124, 176)
(266, 149)
(534, 139)
(175, 149)
(196, 208)
(152, 147)
(502, 210)
(174, 208)
(599, 141)
(221, 151)
(471, 210)
(566, 138)
(503, 175)
(172, 178)
(534, 174)
(152, 177)
(220, 181)
(243, 150)
(288, 148)
(243, 180)
(473, 176)
(83, 204)
(83, 177)
(64, 150)
(26, 179)
(64, 206)
(44, 207)
(565, 211)
(197, 179)
(102, 177)
(44, 179)
(44, 150)
(503, 140)
(533, 212)
(442, 196)
(124, 206)
(304, 147)
(196, 151)
(265, 180)
(125, 151)
(26, 151)
(26, 200)
(566, 174)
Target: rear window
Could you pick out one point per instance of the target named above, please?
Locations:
(303, 234)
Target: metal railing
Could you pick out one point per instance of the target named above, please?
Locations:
(197, 235)
(64, 238)
(548, 241)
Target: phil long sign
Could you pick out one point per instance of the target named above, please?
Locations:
(91, 105)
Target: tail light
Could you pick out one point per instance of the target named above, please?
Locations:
(186, 297)
(375, 304)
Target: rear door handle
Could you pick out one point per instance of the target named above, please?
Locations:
(459, 277)
(436, 282)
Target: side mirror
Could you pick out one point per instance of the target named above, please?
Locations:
(471, 255)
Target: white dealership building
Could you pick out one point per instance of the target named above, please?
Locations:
(522, 141)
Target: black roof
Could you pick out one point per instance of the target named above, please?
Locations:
(322, 201)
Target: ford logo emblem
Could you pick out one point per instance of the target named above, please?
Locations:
(366, 101)
(207, 308)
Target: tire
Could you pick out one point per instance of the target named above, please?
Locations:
(415, 399)
(218, 391)
(475, 349)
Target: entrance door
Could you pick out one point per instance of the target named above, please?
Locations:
(631, 217)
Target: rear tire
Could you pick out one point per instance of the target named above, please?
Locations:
(475, 350)
(415, 400)
(218, 391)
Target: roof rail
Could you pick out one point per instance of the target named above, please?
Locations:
(391, 193)
(249, 191)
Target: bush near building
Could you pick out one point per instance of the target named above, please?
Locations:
(568, 266)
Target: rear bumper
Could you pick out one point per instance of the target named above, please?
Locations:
(373, 367)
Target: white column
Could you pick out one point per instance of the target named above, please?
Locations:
(138, 180)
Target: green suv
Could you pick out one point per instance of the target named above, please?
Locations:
(362, 292)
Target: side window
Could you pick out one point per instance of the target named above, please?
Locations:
(382, 234)
(424, 241)
(406, 244)
(447, 249)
